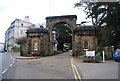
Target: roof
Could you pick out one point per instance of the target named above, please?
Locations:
(37, 30)
(64, 16)
(85, 28)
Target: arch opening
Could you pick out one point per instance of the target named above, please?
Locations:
(62, 33)
(66, 20)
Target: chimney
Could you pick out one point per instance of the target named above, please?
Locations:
(27, 18)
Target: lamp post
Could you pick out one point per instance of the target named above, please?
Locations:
(112, 49)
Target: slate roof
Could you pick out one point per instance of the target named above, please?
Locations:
(37, 30)
(85, 30)
(64, 16)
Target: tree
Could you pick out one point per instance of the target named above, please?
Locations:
(21, 41)
(63, 35)
(106, 16)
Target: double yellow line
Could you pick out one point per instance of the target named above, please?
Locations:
(75, 71)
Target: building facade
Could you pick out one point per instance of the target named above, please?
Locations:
(16, 30)
(37, 41)
(2, 45)
(85, 39)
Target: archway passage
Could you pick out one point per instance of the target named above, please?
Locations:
(66, 19)
(63, 36)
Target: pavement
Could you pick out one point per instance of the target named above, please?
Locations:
(108, 70)
(16, 55)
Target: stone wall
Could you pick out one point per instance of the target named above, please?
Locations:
(79, 42)
(68, 19)
(37, 42)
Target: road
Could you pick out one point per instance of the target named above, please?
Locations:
(60, 66)
(6, 62)
(0, 66)
(53, 67)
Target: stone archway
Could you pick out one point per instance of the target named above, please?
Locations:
(68, 19)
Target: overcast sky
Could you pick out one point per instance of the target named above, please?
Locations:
(37, 10)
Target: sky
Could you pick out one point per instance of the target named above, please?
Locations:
(37, 10)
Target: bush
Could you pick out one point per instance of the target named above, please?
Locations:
(27, 55)
(36, 53)
(108, 56)
(15, 49)
(58, 52)
(91, 59)
(98, 51)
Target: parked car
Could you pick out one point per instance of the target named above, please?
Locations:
(117, 55)
(66, 49)
(2, 50)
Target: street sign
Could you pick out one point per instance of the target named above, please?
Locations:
(90, 53)
(76, 45)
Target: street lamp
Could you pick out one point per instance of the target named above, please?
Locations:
(112, 49)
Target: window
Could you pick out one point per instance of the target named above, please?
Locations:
(85, 44)
(22, 24)
(35, 46)
(53, 36)
(21, 32)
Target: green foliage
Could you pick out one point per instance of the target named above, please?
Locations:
(58, 52)
(15, 49)
(90, 59)
(36, 53)
(108, 56)
(98, 51)
(63, 35)
(21, 41)
(106, 16)
(27, 55)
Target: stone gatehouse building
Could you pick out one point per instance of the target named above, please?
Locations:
(37, 41)
(85, 39)
(40, 40)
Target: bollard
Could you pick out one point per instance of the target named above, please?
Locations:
(32, 53)
(103, 56)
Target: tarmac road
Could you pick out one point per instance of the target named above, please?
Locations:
(53, 67)
(7, 61)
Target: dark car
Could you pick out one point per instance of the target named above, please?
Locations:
(117, 55)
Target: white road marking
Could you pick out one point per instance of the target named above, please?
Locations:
(13, 61)
(4, 71)
(12, 57)
(11, 65)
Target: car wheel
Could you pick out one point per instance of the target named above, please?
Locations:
(116, 60)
